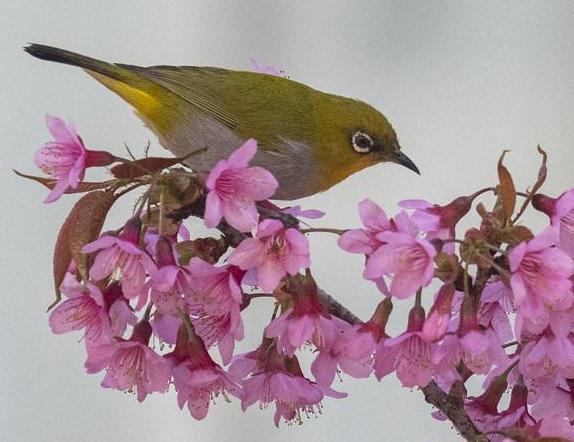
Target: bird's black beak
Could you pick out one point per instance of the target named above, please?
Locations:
(400, 158)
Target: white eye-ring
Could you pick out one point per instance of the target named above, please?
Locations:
(362, 142)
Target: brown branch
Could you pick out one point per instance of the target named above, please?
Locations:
(337, 309)
(452, 407)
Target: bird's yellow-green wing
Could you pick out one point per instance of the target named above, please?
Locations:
(192, 85)
(252, 104)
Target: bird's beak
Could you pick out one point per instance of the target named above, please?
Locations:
(400, 158)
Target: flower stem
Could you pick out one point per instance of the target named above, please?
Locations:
(482, 191)
(147, 312)
(161, 210)
(129, 189)
(323, 229)
(260, 295)
(418, 297)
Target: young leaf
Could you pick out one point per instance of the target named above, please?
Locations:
(51, 182)
(82, 226)
(506, 189)
(542, 172)
(145, 166)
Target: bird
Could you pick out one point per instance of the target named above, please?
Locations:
(308, 139)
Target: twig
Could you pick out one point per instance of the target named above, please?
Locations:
(337, 309)
(268, 212)
(323, 229)
(161, 210)
(453, 408)
(537, 185)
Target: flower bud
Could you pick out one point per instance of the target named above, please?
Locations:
(436, 324)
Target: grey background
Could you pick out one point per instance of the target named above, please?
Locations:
(459, 80)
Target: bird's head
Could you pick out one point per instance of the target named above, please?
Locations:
(356, 136)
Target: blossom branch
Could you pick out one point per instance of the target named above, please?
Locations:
(450, 405)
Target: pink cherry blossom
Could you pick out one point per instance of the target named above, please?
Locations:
(165, 327)
(550, 396)
(306, 320)
(275, 378)
(561, 213)
(540, 278)
(292, 395)
(197, 378)
(436, 324)
(408, 259)
(119, 311)
(363, 344)
(477, 348)
(101, 315)
(439, 221)
(84, 309)
(170, 287)
(331, 353)
(408, 354)
(555, 208)
(65, 158)
(365, 240)
(152, 235)
(556, 427)
(234, 188)
(131, 365)
(495, 305)
(215, 306)
(171, 284)
(124, 255)
(199, 386)
(273, 253)
(553, 352)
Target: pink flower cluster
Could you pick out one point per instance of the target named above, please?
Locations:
(503, 308)
(394, 248)
(194, 307)
(529, 307)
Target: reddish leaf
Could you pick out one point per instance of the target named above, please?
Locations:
(82, 226)
(145, 166)
(506, 189)
(542, 172)
(51, 182)
(517, 234)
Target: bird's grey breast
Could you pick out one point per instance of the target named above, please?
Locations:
(290, 161)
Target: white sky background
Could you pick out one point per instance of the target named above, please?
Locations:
(460, 81)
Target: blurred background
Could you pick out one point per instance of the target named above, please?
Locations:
(460, 81)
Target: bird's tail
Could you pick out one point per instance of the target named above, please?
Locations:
(144, 95)
(67, 57)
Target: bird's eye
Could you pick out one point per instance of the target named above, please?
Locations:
(362, 143)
